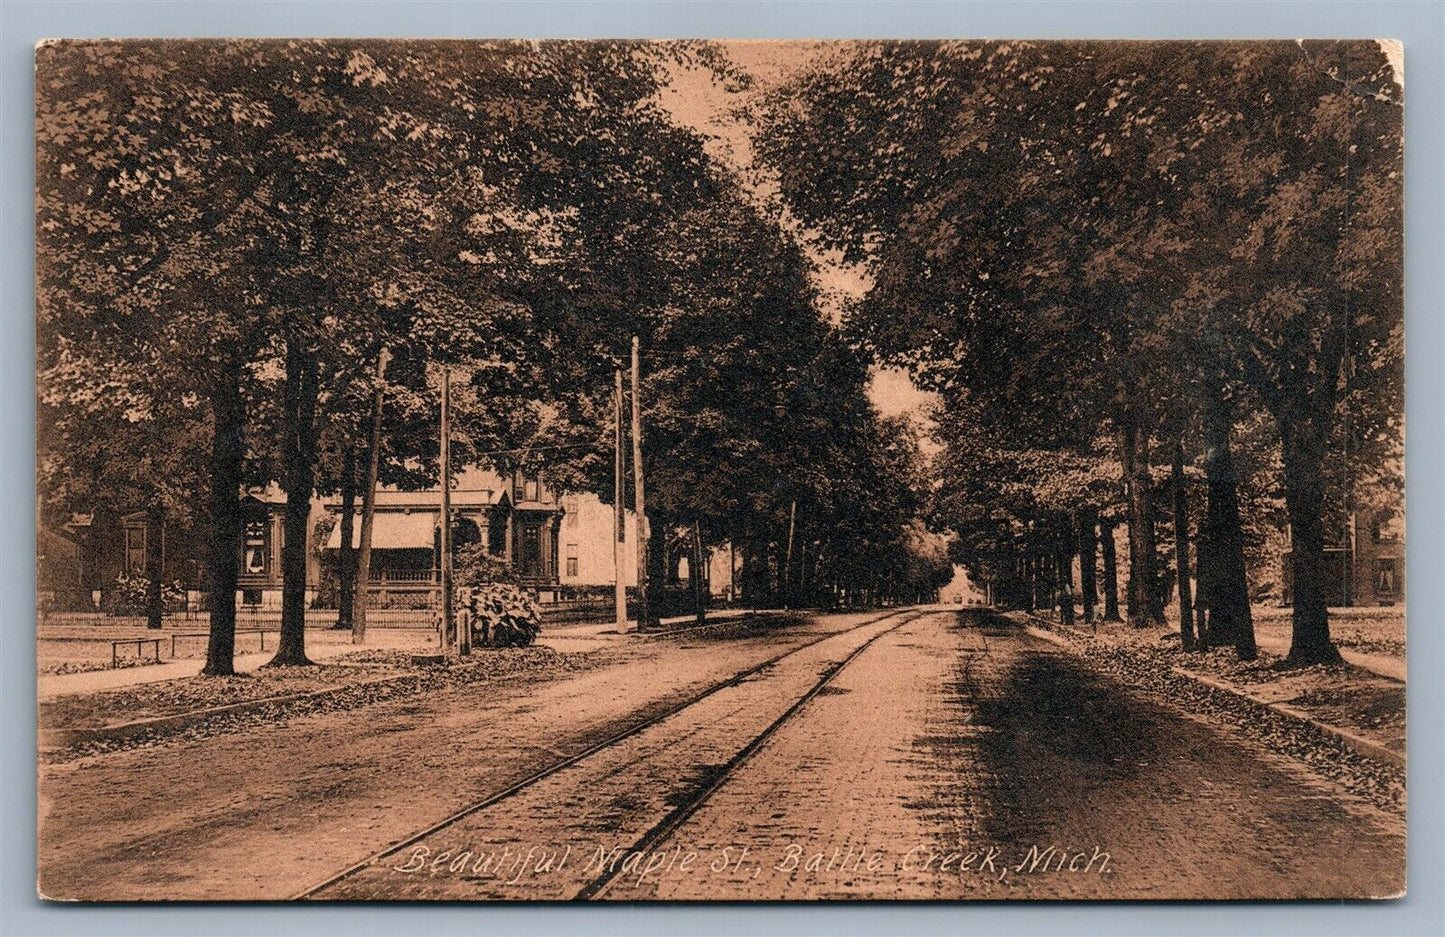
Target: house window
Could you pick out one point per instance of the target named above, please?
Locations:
(135, 549)
(572, 513)
(572, 560)
(530, 489)
(1387, 577)
(256, 555)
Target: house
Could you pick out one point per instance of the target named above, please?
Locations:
(1368, 567)
(80, 560)
(559, 543)
(58, 570)
(1379, 567)
(553, 541)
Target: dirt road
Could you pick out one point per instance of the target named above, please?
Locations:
(943, 755)
(999, 768)
(260, 814)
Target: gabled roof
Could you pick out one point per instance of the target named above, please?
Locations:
(49, 543)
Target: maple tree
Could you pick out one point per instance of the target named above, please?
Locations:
(1092, 236)
(271, 217)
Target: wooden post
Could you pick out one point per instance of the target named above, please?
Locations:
(618, 517)
(639, 495)
(368, 511)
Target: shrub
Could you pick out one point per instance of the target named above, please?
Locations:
(503, 614)
(129, 595)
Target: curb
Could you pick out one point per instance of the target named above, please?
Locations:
(1034, 631)
(1358, 744)
(749, 619)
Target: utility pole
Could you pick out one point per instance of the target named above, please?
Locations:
(368, 510)
(450, 638)
(451, 634)
(619, 539)
(699, 565)
(639, 493)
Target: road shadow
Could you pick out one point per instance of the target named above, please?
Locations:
(1045, 732)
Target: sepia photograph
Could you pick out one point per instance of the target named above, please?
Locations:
(719, 470)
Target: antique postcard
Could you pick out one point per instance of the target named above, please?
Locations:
(719, 470)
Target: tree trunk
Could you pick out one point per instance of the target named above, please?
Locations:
(804, 574)
(1224, 583)
(299, 458)
(639, 495)
(368, 509)
(786, 574)
(699, 587)
(748, 576)
(1304, 446)
(1088, 542)
(1008, 575)
(223, 565)
(1145, 609)
(1111, 572)
(1064, 572)
(1126, 457)
(1181, 548)
(1049, 570)
(346, 555)
(155, 565)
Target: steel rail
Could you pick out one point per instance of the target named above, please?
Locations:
(680, 814)
(567, 762)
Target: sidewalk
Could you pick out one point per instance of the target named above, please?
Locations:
(562, 637)
(49, 686)
(1275, 638)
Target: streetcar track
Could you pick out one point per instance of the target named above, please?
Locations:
(680, 814)
(619, 737)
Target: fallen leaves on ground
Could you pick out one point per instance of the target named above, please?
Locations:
(352, 680)
(1148, 665)
(48, 668)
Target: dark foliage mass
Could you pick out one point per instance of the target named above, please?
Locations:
(254, 254)
(1107, 257)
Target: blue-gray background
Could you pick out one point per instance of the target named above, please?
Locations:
(1421, 25)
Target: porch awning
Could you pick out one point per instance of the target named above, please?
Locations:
(392, 530)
